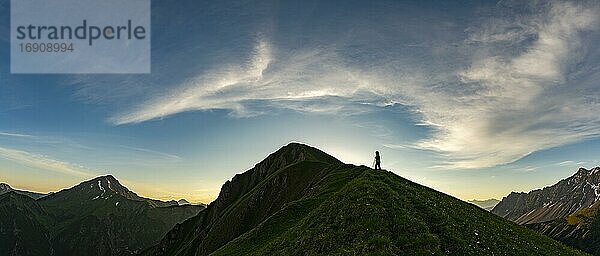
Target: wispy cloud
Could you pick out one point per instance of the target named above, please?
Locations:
(524, 83)
(44, 162)
(566, 163)
(8, 134)
(530, 169)
(217, 89)
(154, 153)
(520, 103)
(306, 81)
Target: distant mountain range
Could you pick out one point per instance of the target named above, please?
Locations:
(566, 211)
(488, 204)
(5, 188)
(301, 201)
(97, 217)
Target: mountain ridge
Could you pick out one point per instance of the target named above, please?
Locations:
(320, 206)
(105, 186)
(566, 211)
(567, 196)
(5, 188)
(95, 217)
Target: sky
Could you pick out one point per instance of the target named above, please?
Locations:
(473, 98)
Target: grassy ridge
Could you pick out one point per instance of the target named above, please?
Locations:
(380, 213)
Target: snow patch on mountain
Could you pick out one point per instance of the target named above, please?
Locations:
(101, 189)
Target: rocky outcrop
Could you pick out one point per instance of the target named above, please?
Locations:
(554, 202)
(566, 211)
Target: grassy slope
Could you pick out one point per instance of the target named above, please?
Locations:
(366, 212)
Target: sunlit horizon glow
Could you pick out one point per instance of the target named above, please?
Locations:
(207, 194)
(473, 99)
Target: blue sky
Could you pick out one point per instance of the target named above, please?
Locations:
(473, 98)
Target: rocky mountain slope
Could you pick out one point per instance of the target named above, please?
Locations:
(566, 211)
(554, 202)
(5, 188)
(97, 217)
(580, 230)
(301, 201)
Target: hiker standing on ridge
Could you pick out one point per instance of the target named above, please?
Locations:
(377, 161)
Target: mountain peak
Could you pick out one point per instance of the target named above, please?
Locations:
(183, 202)
(292, 153)
(294, 144)
(101, 187)
(5, 187)
(110, 181)
(289, 154)
(585, 173)
(296, 152)
(107, 177)
(299, 145)
(582, 170)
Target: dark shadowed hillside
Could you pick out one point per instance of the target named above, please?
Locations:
(97, 217)
(24, 226)
(300, 201)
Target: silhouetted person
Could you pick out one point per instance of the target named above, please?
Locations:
(377, 161)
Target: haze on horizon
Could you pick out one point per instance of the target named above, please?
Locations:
(473, 98)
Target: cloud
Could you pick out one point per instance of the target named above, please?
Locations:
(306, 81)
(568, 162)
(45, 163)
(153, 153)
(519, 104)
(16, 135)
(395, 146)
(218, 89)
(518, 84)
